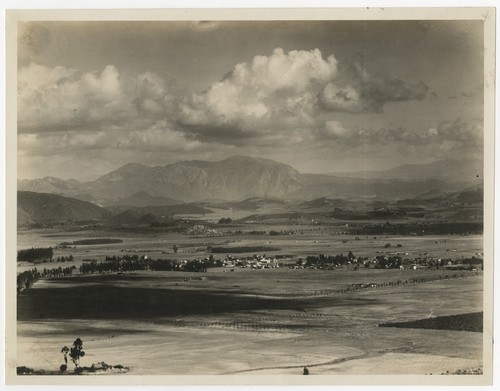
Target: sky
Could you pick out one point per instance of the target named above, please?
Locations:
(322, 96)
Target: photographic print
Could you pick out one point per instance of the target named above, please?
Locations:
(259, 196)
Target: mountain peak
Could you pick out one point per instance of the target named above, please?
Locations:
(250, 159)
(131, 167)
(51, 179)
(241, 158)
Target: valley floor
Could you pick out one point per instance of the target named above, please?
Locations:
(227, 330)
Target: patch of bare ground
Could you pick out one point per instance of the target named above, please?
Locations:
(164, 323)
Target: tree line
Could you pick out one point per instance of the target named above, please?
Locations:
(42, 254)
(419, 229)
(242, 249)
(134, 263)
(26, 279)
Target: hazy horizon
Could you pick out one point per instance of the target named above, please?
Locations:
(320, 96)
(233, 156)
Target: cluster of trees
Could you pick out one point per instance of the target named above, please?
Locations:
(420, 229)
(225, 220)
(388, 245)
(458, 264)
(134, 263)
(384, 213)
(75, 353)
(58, 272)
(69, 258)
(388, 262)
(284, 232)
(327, 261)
(97, 241)
(26, 279)
(40, 254)
(115, 258)
(164, 224)
(242, 249)
(472, 261)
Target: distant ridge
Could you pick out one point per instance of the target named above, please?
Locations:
(449, 170)
(241, 178)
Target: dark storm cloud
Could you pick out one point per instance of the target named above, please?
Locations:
(357, 89)
(378, 91)
(230, 134)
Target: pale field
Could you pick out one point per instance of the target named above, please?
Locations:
(272, 321)
(158, 323)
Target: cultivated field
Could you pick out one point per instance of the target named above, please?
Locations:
(272, 321)
(306, 240)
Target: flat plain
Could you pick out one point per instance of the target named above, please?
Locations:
(266, 321)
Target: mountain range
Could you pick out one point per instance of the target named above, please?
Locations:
(42, 208)
(242, 177)
(447, 170)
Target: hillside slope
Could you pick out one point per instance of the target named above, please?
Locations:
(49, 208)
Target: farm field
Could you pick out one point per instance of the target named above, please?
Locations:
(312, 241)
(144, 320)
(267, 321)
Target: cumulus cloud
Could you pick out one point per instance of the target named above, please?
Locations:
(335, 98)
(285, 99)
(87, 154)
(286, 94)
(446, 136)
(287, 91)
(277, 91)
(62, 98)
(334, 130)
(161, 136)
(459, 132)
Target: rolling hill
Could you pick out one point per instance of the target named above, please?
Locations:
(46, 208)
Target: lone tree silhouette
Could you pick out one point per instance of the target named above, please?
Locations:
(76, 352)
(65, 351)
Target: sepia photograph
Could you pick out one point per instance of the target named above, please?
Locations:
(245, 197)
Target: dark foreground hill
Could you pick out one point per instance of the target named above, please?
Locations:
(50, 208)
